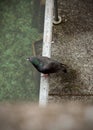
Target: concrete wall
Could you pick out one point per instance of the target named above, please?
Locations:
(73, 45)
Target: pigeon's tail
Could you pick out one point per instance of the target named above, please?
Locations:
(64, 68)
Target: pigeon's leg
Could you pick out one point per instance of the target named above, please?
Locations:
(45, 75)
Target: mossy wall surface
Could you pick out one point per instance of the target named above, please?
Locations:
(17, 34)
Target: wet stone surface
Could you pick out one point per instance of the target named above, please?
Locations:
(73, 46)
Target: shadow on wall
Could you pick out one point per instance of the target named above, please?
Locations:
(68, 82)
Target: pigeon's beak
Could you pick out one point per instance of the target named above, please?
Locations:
(28, 59)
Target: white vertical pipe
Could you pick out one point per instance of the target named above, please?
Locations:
(47, 38)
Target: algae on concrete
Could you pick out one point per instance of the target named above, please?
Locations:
(17, 35)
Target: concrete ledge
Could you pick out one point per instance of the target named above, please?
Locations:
(47, 38)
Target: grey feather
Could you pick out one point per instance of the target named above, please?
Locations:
(47, 65)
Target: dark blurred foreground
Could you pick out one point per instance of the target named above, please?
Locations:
(53, 117)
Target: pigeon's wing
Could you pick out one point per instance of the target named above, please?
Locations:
(47, 61)
(44, 59)
(51, 67)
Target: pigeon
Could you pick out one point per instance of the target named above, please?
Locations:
(47, 65)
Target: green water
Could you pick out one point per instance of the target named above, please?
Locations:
(17, 34)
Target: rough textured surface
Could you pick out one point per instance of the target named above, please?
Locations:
(76, 99)
(73, 45)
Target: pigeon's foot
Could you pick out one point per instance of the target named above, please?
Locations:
(45, 75)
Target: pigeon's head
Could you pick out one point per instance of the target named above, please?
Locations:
(30, 59)
(33, 60)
